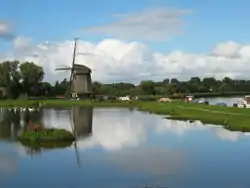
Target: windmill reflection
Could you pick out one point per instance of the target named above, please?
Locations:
(81, 118)
(81, 123)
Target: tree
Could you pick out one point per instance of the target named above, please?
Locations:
(174, 81)
(31, 75)
(195, 80)
(10, 78)
(148, 87)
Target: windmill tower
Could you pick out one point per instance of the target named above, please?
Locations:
(80, 82)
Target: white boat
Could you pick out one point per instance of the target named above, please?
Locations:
(245, 103)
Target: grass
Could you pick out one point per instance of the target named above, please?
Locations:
(230, 117)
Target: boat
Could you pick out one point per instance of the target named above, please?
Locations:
(221, 104)
(203, 101)
(245, 103)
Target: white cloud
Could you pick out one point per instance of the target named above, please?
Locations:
(22, 43)
(117, 60)
(6, 31)
(151, 24)
(228, 49)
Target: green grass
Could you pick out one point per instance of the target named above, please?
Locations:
(229, 117)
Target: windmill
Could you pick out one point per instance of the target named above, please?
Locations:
(80, 82)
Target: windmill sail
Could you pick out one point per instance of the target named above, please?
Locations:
(72, 67)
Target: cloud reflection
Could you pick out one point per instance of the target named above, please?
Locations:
(8, 159)
(184, 127)
(158, 161)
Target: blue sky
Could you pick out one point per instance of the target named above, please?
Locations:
(209, 23)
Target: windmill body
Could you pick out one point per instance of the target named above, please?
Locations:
(81, 81)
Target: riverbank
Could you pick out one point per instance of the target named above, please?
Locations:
(237, 119)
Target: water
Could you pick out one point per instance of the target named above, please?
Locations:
(122, 148)
(228, 100)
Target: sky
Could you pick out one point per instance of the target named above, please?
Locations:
(129, 41)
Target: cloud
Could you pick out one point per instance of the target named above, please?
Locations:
(6, 30)
(22, 43)
(115, 60)
(152, 24)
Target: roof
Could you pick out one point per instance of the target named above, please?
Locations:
(82, 68)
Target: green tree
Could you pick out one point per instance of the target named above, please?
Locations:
(148, 87)
(31, 75)
(10, 78)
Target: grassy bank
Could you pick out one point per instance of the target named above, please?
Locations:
(229, 117)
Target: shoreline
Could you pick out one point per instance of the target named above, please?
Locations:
(231, 118)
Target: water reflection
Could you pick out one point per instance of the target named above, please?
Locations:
(82, 121)
(156, 161)
(128, 148)
(8, 159)
(79, 121)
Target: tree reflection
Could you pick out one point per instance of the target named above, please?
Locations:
(10, 124)
(80, 120)
(13, 122)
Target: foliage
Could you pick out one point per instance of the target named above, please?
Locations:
(20, 78)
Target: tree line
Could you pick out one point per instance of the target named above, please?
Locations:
(19, 79)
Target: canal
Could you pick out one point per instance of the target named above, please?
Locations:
(123, 148)
(228, 100)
